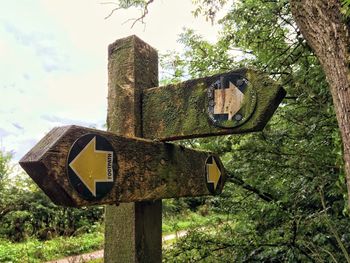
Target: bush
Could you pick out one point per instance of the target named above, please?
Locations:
(25, 211)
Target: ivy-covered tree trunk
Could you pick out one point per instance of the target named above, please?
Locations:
(327, 32)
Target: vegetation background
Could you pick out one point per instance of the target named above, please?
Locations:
(286, 199)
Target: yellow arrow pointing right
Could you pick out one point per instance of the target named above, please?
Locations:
(213, 173)
(228, 101)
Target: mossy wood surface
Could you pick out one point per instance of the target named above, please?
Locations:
(144, 170)
(133, 230)
(181, 111)
(132, 68)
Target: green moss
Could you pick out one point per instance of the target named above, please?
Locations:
(193, 121)
(180, 111)
(269, 96)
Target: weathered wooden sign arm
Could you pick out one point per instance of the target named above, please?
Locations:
(239, 101)
(77, 166)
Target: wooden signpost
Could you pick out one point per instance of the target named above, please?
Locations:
(77, 166)
(240, 101)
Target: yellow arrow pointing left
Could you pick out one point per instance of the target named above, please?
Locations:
(213, 173)
(93, 166)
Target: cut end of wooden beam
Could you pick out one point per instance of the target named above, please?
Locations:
(34, 165)
(131, 40)
(37, 152)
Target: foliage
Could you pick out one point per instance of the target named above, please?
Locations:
(286, 188)
(208, 8)
(5, 168)
(25, 211)
(35, 250)
(346, 7)
(189, 220)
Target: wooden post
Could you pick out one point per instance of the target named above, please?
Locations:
(133, 231)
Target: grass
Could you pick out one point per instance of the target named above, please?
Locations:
(35, 251)
(189, 221)
(99, 260)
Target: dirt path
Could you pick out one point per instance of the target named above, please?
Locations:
(175, 235)
(99, 254)
(80, 258)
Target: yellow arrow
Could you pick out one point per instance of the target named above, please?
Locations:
(228, 101)
(213, 173)
(93, 166)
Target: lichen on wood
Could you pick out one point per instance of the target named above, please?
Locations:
(145, 170)
(180, 111)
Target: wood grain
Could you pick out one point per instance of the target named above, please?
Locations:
(179, 111)
(133, 230)
(146, 170)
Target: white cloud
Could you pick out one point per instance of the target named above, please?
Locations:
(42, 45)
(78, 95)
(3, 48)
(4, 133)
(53, 60)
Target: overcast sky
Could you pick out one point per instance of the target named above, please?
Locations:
(53, 66)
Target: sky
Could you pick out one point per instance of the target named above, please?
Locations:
(53, 60)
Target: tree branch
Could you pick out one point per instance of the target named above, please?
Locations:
(113, 10)
(139, 19)
(238, 181)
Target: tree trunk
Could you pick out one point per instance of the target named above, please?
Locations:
(325, 30)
